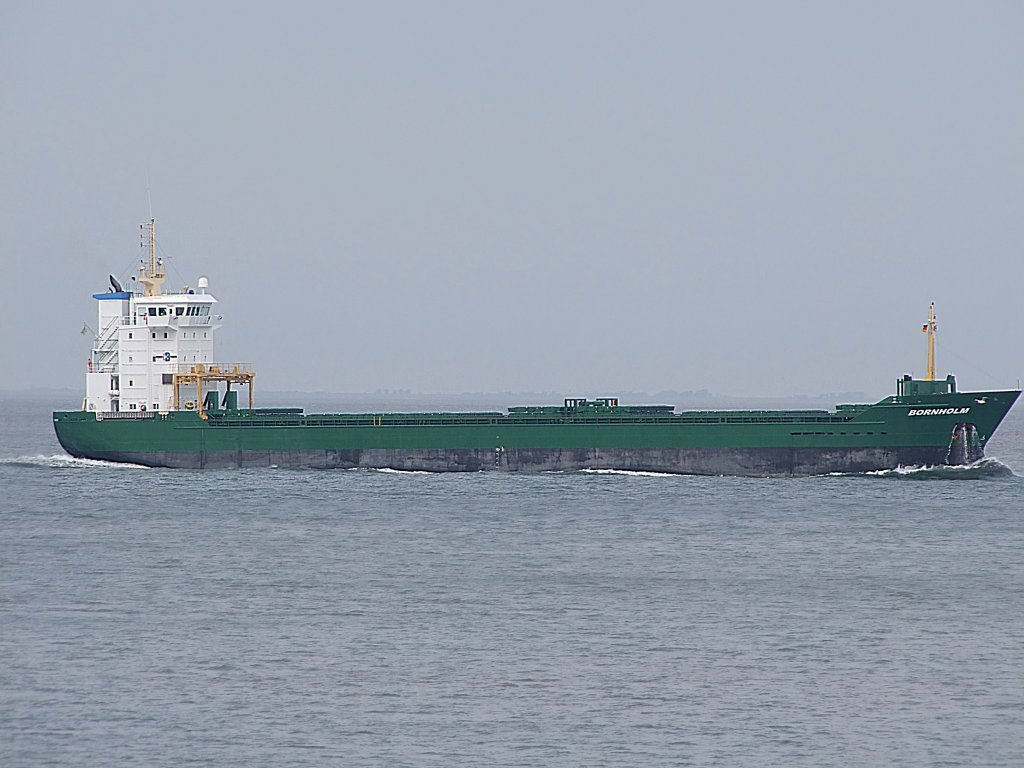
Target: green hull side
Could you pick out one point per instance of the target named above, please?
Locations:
(889, 427)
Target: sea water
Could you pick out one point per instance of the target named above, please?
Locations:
(287, 617)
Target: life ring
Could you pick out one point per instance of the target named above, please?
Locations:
(190, 405)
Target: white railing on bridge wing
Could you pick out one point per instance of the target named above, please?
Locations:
(164, 320)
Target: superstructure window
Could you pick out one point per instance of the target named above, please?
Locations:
(179, 311)
(163, 310)
(152, 311)
(168, 378)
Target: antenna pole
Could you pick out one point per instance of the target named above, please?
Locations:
(152, 246)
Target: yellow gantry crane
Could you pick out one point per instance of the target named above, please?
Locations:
(198, 375)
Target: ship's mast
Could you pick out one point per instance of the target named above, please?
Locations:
(153, 277)
(930, 328)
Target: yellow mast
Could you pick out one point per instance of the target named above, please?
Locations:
(930, 328)
(152, 278)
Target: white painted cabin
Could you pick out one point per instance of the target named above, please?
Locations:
(142, 342)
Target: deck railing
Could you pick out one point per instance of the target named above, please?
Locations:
(215, 368)
(103, 415)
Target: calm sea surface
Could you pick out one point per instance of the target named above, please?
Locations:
(275, 617)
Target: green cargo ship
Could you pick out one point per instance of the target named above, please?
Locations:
(155, 396)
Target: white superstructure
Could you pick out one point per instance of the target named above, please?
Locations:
(153, 350)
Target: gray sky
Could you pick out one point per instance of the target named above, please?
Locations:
(753, 198)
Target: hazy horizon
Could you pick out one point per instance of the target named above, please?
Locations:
(577, 198)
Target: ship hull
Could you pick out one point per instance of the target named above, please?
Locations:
(935, 430)
(750, 462)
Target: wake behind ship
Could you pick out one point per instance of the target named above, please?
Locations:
(156, 396)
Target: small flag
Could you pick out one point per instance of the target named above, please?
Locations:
(85, 329)
(924, 328)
